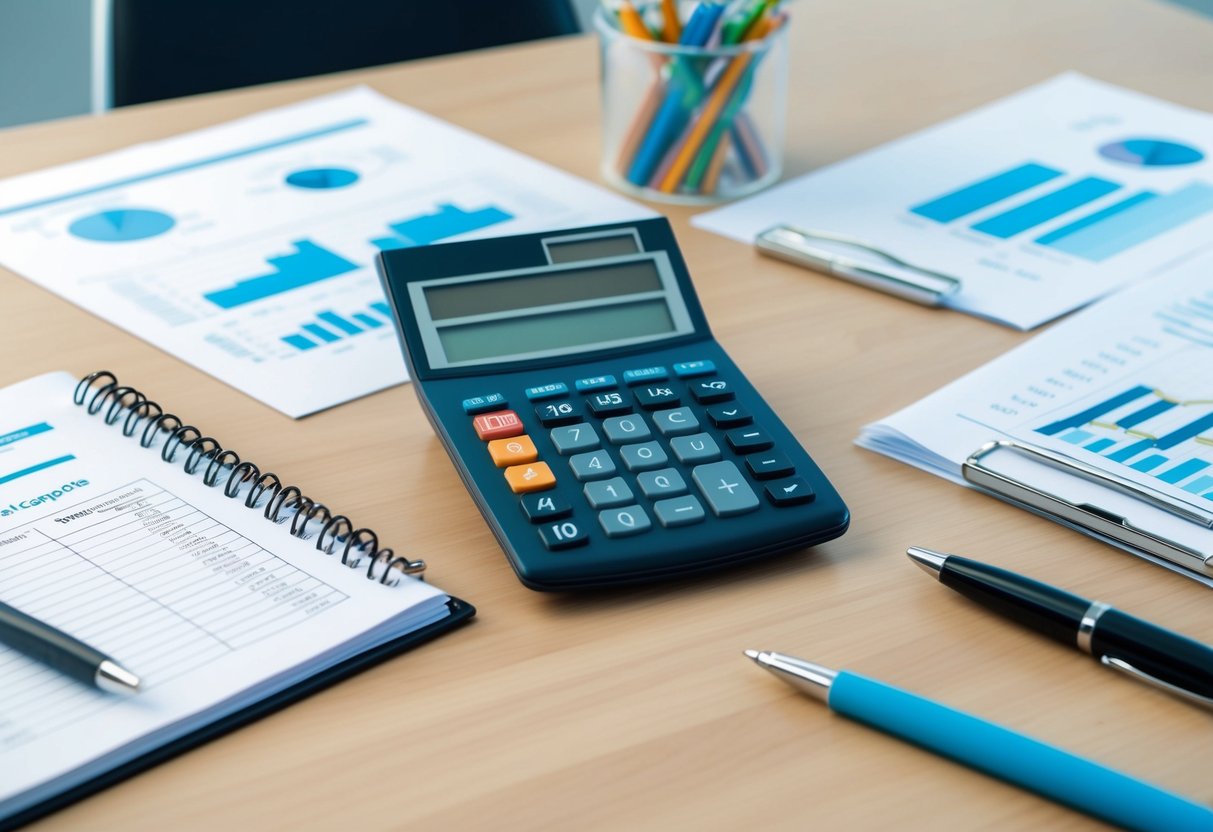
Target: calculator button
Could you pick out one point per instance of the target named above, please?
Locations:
(608, 493)
(789, 492)
(515, 451)
(592, 466)
(643, 374)
(547, 391)
(558, 413)
(664, 483)
(710, 391)
(621, 522)
(769, 464)
(563, 535)
(573, 438)
(631, 428)
(680, 511)
(690, 369)
(694, 449)
(541, 507)
(725, 489)
(585, 385)
(536, 476)
(608, 404)
(479, 404)
(728, 416)
(497, 425)
(675, 422)
(657, 397)
(748, 440)
(644, 456)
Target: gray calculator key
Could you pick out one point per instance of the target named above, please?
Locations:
(621, 522)
(679, 511)
(630, 428)
(695, 449)
(725, 489)
(573, 438)
(675, 422)
(608, 493)
(592, 466)
(644, 456)
(664, 483)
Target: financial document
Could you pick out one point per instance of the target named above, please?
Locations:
(1125, 387)
(248, 249)
(1039, 203)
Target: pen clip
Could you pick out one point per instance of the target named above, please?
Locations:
(920, 285)
(1086, 516)
(1142, 676)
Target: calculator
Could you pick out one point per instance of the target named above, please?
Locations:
(605, 435)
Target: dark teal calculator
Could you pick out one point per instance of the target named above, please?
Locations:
(604, 434)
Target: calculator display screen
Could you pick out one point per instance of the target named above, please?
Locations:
(557, 310)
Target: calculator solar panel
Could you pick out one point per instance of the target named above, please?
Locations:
(605, 435)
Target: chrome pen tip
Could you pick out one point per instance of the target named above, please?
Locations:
(929, 561)
(114, 678)
(753, 654)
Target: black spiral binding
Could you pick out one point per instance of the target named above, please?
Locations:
(282, 502)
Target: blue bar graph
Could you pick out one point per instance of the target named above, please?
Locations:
(308, 264)
(1077, 437)
(1139, 416)
(1091, 219)
(448, 221)
(1137, 224)
(1130, 451)
(985, 192)
(33, 469)
(1094, 412)
(340, 323)
(299, 342)
(322, 333)
(1200, 485)
(1183, 470)
(1149, 463)
(1051, 205)
(1186, 432)
(1100, 445)
(380, 306)
(372, 323)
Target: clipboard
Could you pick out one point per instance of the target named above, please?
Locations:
(1098, 521)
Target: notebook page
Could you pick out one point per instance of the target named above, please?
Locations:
(211, 604)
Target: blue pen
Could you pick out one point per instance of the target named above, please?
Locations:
(679, 100)
(1001, 752)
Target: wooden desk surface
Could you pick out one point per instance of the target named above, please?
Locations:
(636, 709)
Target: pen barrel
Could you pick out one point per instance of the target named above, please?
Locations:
(48, 645)
(1170, 657)
(1008, 755)
(1046, 609)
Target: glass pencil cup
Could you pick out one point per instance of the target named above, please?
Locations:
(688, 124)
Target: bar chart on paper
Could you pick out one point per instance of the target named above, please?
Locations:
(1038, 203)
(248, 249)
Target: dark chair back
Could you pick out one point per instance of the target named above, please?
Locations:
(169, 48)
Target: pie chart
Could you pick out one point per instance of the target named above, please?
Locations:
(121, 225)
(322, 179)
(1151, 153)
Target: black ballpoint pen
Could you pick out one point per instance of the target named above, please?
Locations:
(67, 654)
(1145, 651)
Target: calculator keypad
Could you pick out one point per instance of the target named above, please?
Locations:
(619, 443)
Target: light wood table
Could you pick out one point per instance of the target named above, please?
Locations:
(636, 709)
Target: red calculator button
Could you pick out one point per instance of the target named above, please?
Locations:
(497, 425)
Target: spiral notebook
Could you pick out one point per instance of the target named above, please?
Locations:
(228, 591)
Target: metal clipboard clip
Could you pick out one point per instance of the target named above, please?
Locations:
(1084, 515)
(910, 282)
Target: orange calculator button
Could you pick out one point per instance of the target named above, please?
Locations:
(513, 451)
(498, 424)
(536, 476)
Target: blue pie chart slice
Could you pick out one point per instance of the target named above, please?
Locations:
(1151, 153)
(322, 179)
(121, 225)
